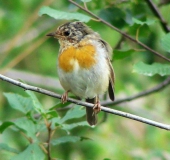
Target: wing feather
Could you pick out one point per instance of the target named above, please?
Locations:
(112, 75)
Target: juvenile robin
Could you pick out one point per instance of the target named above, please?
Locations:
(84, 66)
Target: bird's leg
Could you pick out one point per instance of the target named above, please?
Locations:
(97, 106)
(64, 97)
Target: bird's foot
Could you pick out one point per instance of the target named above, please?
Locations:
(64, 97)
(97, 107)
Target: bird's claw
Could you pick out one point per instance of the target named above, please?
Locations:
(64, 97)
(97, 107)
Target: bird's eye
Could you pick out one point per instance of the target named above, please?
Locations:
(66, 33)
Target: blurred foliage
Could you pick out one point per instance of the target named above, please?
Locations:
(26, 117)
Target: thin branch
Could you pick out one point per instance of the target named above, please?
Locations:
(164, 2)
(48, 125)
(155, 10)
(105, 109)
(28, 138)
(34, 78)
(157, 88)
(116, 29)
(43, 148)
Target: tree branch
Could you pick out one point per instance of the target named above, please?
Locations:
(105, 109)
(157, 88)
(124, 34)
(164, 2)
(155, 10)
(34, 78)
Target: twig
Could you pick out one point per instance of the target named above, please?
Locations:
(28, 138)
(43, 148)
(116, 29)
(34, 78)
(157, 88)
(155, 10)
(164, 2)
(85, 5)
(48, 125)
(105, 109)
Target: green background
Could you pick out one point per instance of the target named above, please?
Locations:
(28, 55)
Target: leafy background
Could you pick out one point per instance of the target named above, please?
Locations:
(28, 55)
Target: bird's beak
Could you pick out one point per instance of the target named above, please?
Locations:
(51, 34)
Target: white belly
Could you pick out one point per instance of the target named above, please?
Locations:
(87, 83)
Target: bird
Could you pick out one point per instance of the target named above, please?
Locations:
(84, 65)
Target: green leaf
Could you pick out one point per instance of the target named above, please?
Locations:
(147, 22)
(150, 70)
(75, 112)
(60, 105)
(108, 14)
(52, 113)
(63, 15)
(18, 102)
(37, 105)
(27, 126)
(119, 54)
(165, 42)
(65, 139)
(5, 125)
(55, 122)
(5, 147)
(68, 127)
(32, 152)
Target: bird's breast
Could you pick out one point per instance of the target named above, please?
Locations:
(75, 57)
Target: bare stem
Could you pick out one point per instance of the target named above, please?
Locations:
(28, 138)
(157, 88)
(105, 109)
(164, 2)
(48, 125)
(156, 12)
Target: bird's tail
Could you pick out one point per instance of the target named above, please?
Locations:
(90, 115)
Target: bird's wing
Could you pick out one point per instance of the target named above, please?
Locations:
(112, 75)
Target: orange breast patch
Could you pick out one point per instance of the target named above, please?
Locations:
(84, 55)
